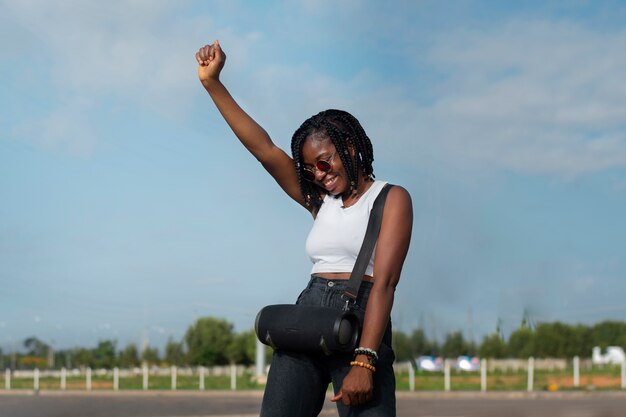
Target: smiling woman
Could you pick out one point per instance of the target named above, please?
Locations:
(316, 143)
(330, 174)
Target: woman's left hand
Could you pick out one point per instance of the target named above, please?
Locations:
(357, 387)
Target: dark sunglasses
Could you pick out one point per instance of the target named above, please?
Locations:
(321, 165)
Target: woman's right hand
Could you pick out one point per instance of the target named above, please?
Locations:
(211, 60)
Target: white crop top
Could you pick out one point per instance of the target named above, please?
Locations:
(337, 233)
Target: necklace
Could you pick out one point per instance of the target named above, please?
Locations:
(352, 199)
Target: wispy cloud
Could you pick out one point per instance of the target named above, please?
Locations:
(532, 97)
(529, 96)
(536, 96)
(109, 54)
(66, 129)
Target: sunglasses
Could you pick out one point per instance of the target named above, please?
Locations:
(321, 165)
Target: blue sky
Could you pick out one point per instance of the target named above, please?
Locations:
(128, 209)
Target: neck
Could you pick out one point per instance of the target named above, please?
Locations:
(351, 197)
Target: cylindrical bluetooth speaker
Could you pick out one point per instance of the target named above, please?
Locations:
(307, 328)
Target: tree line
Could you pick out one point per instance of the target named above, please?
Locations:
(212, 341)
(209, 341)
(545, 340)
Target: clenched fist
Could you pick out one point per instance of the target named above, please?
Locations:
(211, 60)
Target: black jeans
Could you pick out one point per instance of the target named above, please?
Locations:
(297, 382)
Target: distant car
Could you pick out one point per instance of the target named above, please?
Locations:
(614, 355)
(468, 363)
(429, 363)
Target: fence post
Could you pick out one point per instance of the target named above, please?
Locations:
(7, 379)
(446, 375)
(624, 374)
(116, 379)
(260, 359)
(483, 375)
(88, 383)
(145, 377)
(576, 372)
(531, 373)
(233, 376)
(201, 372)
(173, 373)
(63, 379)
(36, 379)
(411, 377)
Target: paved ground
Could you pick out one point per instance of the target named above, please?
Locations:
(246, 404)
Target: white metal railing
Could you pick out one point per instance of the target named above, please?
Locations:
(237, 371)
(511, 365)
(36, 375)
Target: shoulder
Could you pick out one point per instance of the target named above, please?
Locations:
(398, 195)
(399, 203)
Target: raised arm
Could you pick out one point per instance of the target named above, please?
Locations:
(211, 60)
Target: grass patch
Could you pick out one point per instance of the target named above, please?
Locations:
(597, 379)
(608, 378)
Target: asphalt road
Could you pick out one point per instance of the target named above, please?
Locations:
(246, 404)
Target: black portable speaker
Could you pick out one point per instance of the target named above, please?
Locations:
(307, 328)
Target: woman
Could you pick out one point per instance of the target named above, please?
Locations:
(331, 176)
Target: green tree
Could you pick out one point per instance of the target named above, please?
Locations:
(208, 340)
(559, 340)
(242, 349)
(420, 345)
(455, 345)
(129, 357)
(522, 343)
(150, 356)
(608, 333)
(174, 352)
(83, 357)
(63, 358)
(493, 347)
(104, 354)
(402, 346)
(580, 343)
(35, 347)
(250, 344)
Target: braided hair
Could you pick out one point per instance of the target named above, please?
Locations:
(343, 130)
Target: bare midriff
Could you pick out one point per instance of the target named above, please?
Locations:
(341, 275)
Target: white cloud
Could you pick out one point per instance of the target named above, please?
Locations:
(584, 284)
(67, 129)
(135, 53)
(131, 48)
(529, 96)
(116, 54)
(325, 7)
(533, 97)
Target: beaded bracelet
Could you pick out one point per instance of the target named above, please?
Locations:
(363, 365)
(371, 353)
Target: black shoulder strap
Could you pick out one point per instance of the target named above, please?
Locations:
(369, 242)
